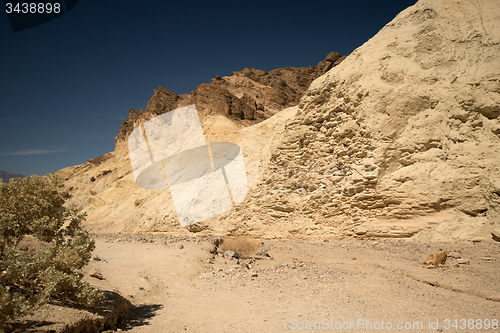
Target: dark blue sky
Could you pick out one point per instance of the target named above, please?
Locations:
(67, 85)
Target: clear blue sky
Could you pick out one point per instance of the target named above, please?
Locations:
(67, 85)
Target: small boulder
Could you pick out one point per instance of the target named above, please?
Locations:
(230, 254)
(436, 259)
(96, 274)
(361, 230)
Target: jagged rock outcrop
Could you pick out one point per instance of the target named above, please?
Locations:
(163, 100)
(247, 97)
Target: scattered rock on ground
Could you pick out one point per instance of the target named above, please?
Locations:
(96, 274)
(454, 255)
(436, 259)
(478, 239)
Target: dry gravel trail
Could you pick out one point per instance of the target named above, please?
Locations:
(177, 285)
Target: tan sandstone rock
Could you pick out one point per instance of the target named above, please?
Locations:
(400, 139)
(436, 259)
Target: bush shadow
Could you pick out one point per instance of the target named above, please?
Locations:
(140, 316)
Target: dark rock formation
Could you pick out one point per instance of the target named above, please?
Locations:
(128, 125)
(247, 97)
(163, 100)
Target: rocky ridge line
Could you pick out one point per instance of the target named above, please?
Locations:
(247, 97)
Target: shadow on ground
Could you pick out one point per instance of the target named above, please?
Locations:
(113, 312)
(140, 316)
(30, 326)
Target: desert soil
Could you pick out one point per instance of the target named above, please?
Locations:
(176, 284)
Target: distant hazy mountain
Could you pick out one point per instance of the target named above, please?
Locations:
(6, 175)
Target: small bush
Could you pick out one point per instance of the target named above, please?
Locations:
(243, 246)
(42, 247)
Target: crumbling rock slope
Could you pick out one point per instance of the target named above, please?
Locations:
(105, 189)
(403, 134)
(400, 139)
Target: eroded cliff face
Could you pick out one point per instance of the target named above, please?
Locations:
(400, 139)
(405, 132)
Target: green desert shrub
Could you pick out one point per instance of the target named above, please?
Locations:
(42, 248)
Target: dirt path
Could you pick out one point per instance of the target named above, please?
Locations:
(178, 285)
